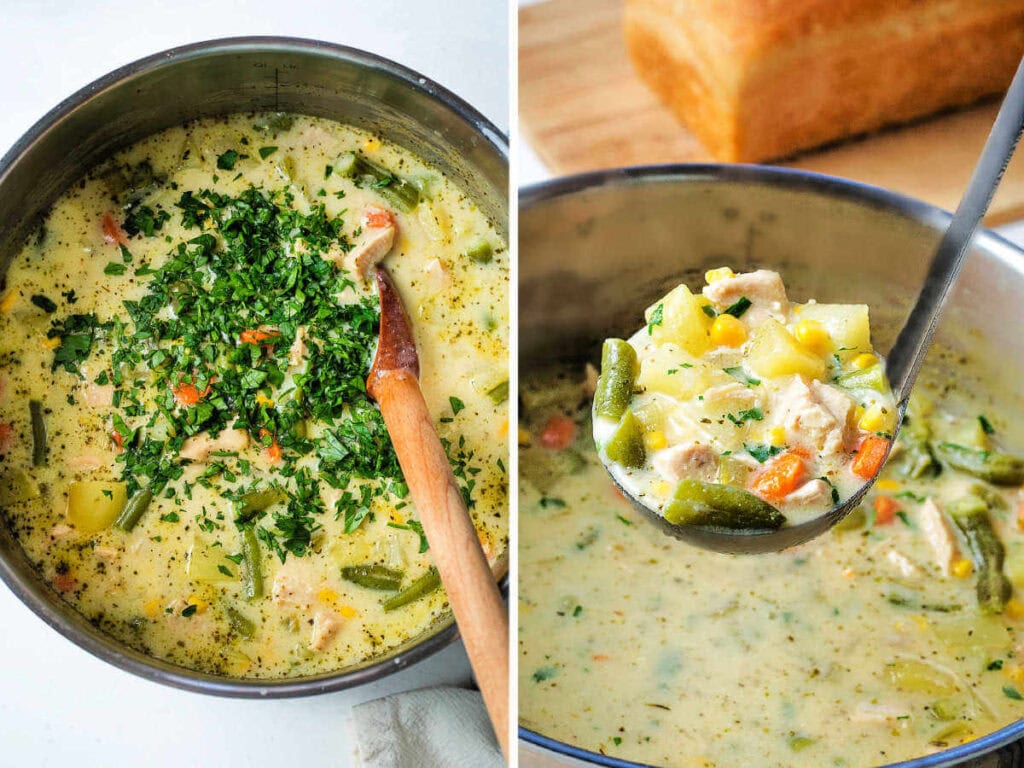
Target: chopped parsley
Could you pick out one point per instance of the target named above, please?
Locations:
(657, 317)
(986, 425)
(266, 152)
(763, 452)
(738, 373)
(457, 405)
(226, 162)
(44, 303)
(738, 307)
(750, 414)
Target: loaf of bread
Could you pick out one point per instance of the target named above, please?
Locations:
(763, 79)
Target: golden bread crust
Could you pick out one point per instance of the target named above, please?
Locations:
(762, 79)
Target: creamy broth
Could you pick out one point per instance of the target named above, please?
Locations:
(866, 646)
(279, 436)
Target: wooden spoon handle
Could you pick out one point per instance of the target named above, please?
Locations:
(472, 591)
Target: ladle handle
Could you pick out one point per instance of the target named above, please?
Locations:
(908, 352)
(472, 591)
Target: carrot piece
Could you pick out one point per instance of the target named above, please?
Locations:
(780, 477)
(112, 231)
(64, 582)
(870, 457)
(6, 437)
(118, 440)
(378, 218)
(257, 335)
(188, 395)
(601, 657)
(1020, 515)
(272, 451)
(886, 508)
(558, 433)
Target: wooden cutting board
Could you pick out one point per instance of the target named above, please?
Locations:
(582, 107)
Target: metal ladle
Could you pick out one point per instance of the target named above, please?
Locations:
(907, 354)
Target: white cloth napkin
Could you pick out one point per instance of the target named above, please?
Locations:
(428, 728)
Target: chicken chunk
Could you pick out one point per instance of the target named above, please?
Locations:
(296, 584)
(690, 460)
(817, 413)
(939, 535)
(763, 288)
(378, 237)
(733, 391)
(326, 625)
(199, 447)
(902, 564)
(98, 395)
(298, 350)
(866, 712)
(811, 492)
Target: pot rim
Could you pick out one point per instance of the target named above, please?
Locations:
(63, 617)
(790, 179)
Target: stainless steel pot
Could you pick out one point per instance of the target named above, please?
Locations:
(594, 250)
(217, 78)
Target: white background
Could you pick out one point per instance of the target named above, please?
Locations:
(59, 705)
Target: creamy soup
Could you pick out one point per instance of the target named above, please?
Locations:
(187, 451)
(891, 637)
(737, 408)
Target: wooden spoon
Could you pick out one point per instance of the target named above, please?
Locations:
(472, 592)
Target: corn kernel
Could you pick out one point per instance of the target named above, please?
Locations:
(863, 360)
(327, 596)
(962, 568)
(7, 303)
(51, 343)
(348, 611)
(654, 441)
(922, 623)
(875, 419)
(397, 517)
(262, 399)
(661, 488)
(714, 275)
(198, 602)
(1015, 672)
(524, 436)
(371, 144)
(152, 607)
(503, 428)
(1014, 608)
(727, 331)
(813, 334)
(887, 485)
(777, 435)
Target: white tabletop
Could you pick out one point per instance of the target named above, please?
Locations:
(59, 705)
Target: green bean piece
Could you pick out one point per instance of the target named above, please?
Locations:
(499, 392)
(40, 447)
(252, 556)
(872, 377)
(993, 466)
(276, 122)
(971, 515)
(721, 506)
(618, 374)
(134, 509)
(396, 190)
(239, 623)
(373, 577)
(421, 587)
(254, 502)
(481, 252)
(626, 445)
(917, 460)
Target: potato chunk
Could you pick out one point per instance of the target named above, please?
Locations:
(682, 321)
(774, 352)
(94, 504)
(847, 324)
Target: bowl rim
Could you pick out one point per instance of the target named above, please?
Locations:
(791, 179)
(65, 619)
